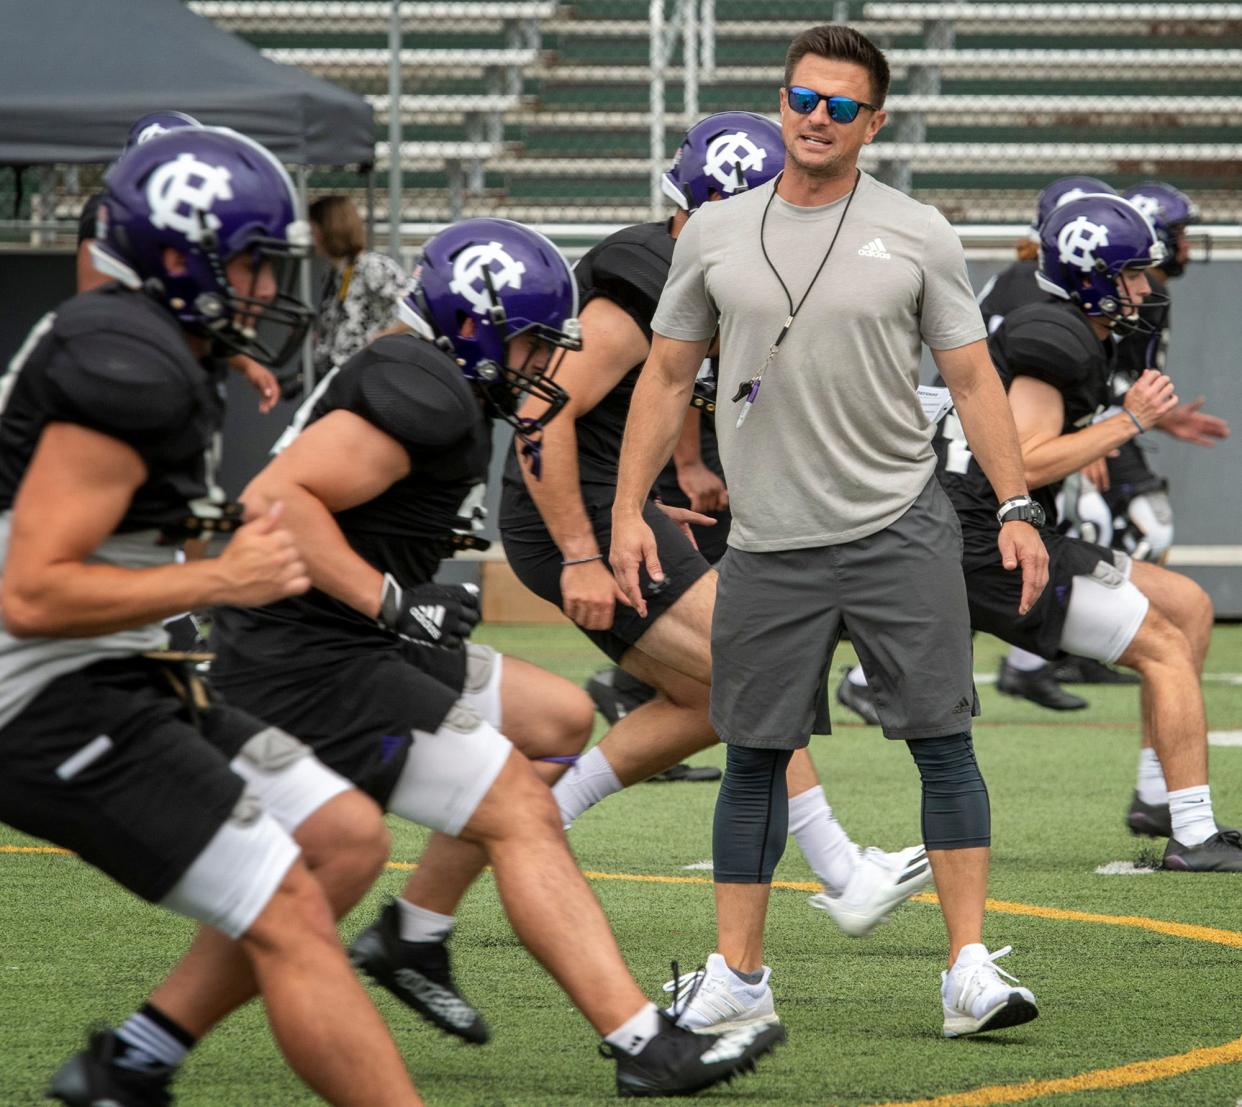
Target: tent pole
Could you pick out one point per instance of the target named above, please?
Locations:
(304, 288)
(371, 207)
(394, 132)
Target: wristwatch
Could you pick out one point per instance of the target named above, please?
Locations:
(1020, 509)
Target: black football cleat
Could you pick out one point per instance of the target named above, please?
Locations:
(682, 771)
(1086, 670)
(616, 693)
(90, 1079)
(859, 700)
(1221, 853)
(419, 975)
(1150, 820)
(680, 1062)
(1037, 687)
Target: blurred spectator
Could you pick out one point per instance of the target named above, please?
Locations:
(362, 289)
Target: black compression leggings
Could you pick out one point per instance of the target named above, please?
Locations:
(956, 814)
(752, 816)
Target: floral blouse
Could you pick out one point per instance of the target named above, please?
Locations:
(356, 303)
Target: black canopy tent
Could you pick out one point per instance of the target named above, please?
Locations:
(77, 73)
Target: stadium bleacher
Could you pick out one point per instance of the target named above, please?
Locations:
(540, 109)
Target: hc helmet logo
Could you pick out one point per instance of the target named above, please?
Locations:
(149, 132)
(182, 190)
(1078, 242)
(468, 268)
(729, 151)
(1148, 205)
(1071, 194)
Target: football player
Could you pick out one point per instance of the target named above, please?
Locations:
(109, 747)
(143, 129)
(1138, 497)
(376, 474)
(1056, 359)
(556, 527)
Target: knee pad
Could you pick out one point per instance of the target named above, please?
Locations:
(956, 814)
(752, 816)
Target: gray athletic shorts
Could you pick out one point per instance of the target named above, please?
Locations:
(901, 595)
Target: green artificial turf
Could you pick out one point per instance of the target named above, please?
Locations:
(863, 1016)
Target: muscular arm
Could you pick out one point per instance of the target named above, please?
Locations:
(657, 413)
(985, 414)
(75, 492)
(310, 479)
(612, 344)
(1047, 454)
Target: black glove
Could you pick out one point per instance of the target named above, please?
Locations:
(430, 614)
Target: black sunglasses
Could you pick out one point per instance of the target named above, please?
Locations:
(841, 109)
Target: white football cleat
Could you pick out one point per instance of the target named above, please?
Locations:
(716, 999)
(976, 999)
(881, 882)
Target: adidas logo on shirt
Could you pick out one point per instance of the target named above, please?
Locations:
(874, 249)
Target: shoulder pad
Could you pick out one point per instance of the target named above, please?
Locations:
(1050, 341)
(629, 268)
(408, 389)
(119, 363)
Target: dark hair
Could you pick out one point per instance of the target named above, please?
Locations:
(838, 42)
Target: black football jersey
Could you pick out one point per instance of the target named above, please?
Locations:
(1013, 288)
(115, 361)
(629, 268)
(1054, 343)
(417, 395)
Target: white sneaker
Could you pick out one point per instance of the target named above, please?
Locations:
(716, 999)
(880, 883)
(976, 999)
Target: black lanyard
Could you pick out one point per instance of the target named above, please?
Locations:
(749, 390)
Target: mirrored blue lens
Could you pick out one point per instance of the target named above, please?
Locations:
(841, 109)
(802, 100)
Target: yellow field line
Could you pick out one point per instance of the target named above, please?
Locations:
(1138, 1072)
(33, 849)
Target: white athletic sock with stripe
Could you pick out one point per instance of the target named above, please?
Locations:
(588, 781)
(148, 1045)
(1151, 787)
(417, 924)
(637, 1030)
(822, 840)
(1024, 661)
(1190, 810)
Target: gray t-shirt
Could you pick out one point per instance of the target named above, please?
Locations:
(836, 446)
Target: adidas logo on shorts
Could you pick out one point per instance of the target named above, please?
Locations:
(874, 249)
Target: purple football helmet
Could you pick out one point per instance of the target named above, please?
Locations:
(157, 123)
(723, 155)
(1169, 210)
(1083, 247)
(509, 281)
(1062, 191)
(211, 194)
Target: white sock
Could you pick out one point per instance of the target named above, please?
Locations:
(637, 1030)
(417, 924)
(1151, 787)
(857, 677)
(587, 782)
(1024, 661)
(1190, 810)
(822, 840)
